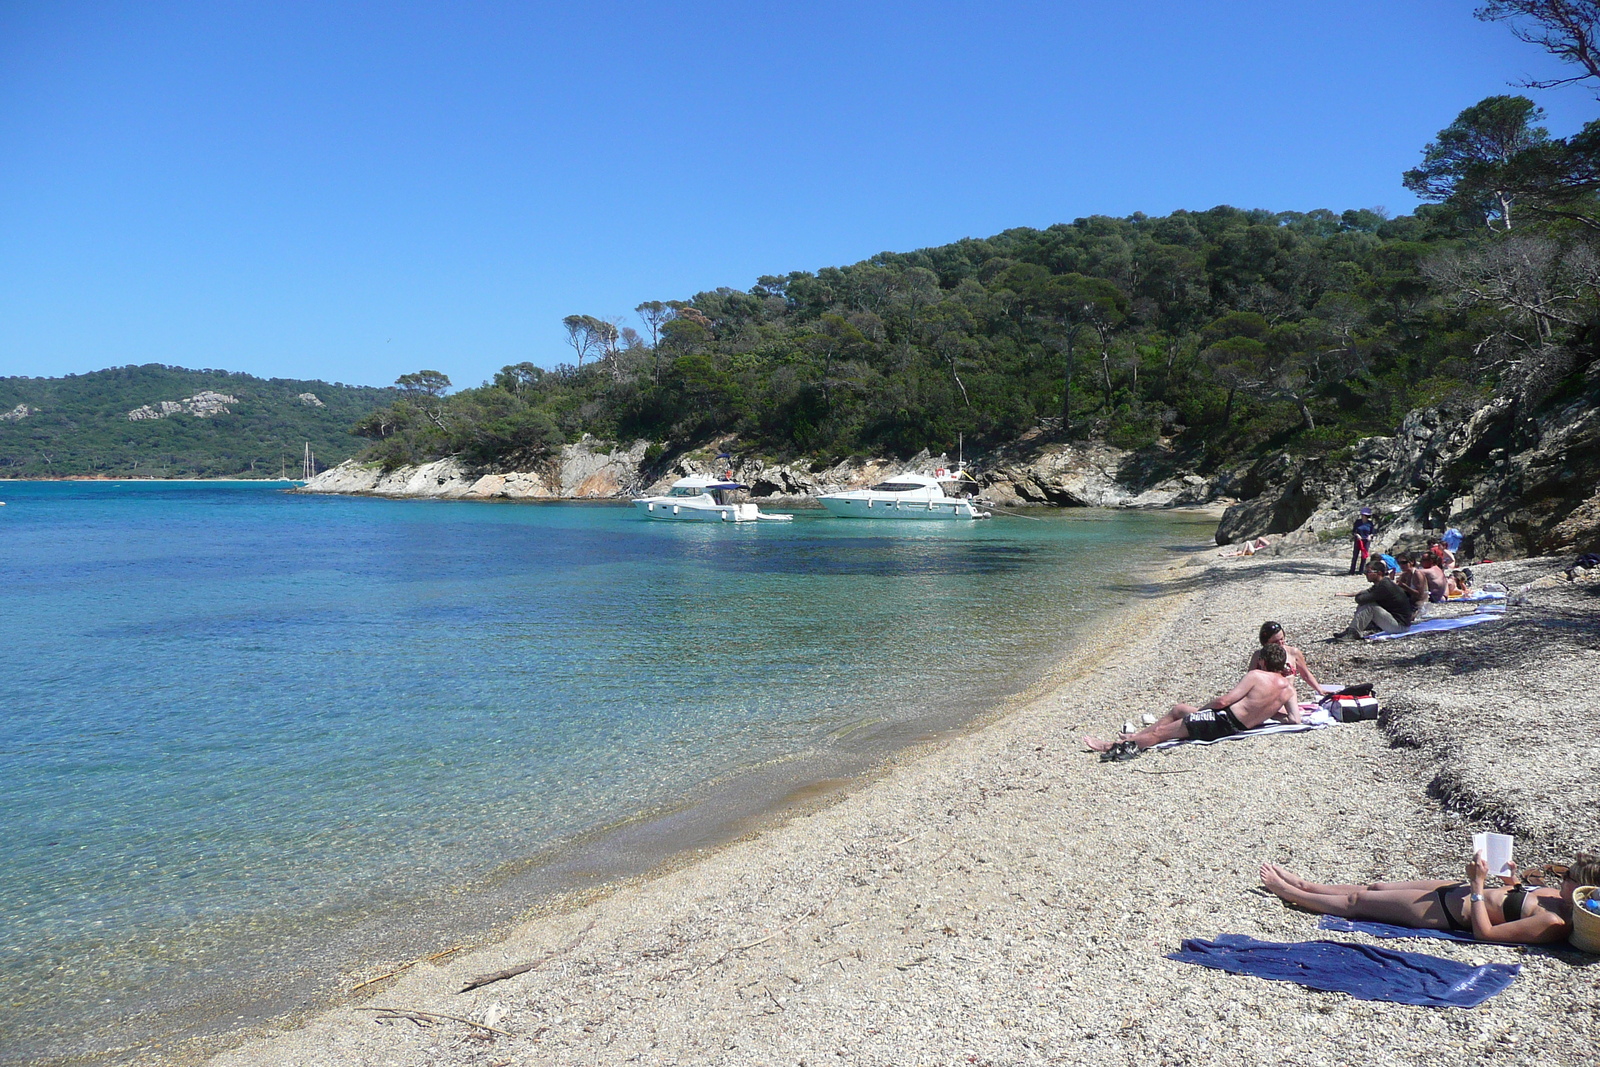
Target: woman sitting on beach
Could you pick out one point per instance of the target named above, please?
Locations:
(1272, 634)
(1514, 914)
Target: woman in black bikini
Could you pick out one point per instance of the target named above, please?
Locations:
(1514, 914)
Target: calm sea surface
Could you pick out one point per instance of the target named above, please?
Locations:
(252, 742)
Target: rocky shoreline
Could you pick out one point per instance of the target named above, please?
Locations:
(1515, 485)
(1083, 474)
(1005, 898)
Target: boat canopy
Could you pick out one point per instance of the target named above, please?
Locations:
(701, 483)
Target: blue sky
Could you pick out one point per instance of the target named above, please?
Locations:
(351, 191)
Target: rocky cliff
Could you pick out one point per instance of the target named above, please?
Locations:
(587, 470)
(1514, 485)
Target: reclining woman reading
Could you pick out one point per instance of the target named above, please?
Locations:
(1514, 914)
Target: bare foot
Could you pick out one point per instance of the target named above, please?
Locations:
(1094, 744)
(1288, 876)
(1273, 880)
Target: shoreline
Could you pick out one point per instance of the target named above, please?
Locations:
(999, 895)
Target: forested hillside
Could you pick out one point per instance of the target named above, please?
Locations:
(81, 425)
(1224, 330)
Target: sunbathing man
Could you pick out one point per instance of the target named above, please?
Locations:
(1261, 694)
(1432, 573)
(1412, 581)
(1446, 558)
(1516, 914)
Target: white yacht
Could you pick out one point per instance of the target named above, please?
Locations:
(702, 499)
(905, 496)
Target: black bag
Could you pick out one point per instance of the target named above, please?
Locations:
(1350, 707)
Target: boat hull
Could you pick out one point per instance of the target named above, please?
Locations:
(903, 510)
(667, 510)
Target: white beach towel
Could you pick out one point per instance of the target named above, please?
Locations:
(1316, 718)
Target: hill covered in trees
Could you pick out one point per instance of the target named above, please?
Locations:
(166, 422)
(1223, 331)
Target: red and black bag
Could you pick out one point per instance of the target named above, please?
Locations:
(1353, 703)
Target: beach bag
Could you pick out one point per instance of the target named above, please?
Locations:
(1585, 934)
(1352, 707)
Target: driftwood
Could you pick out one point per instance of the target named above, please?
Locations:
(512, 972)
(416, 1015)
(406, 966)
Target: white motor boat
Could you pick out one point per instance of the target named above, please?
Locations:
(702, 499)
(905, 496)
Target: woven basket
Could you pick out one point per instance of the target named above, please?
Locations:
(1585, 934)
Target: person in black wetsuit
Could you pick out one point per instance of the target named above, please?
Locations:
(1515, 914)
(1382, 605)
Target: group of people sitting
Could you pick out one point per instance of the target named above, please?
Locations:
(1399, 590)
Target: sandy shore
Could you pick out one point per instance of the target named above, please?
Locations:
(1006, 898)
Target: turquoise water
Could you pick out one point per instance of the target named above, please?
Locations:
(233, 717)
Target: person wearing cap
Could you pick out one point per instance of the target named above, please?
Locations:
(1516, 914)
(1361, 537)
(1294, 662)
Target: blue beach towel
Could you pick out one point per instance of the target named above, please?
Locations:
(1366, 972)
(1361, 926)
(1433, 626)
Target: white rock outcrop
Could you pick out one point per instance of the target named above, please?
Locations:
(203, 405)
(583, 471)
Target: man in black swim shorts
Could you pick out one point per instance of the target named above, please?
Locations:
(1212, 725)
(1262, 694)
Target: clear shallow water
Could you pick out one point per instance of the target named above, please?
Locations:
(230, 714)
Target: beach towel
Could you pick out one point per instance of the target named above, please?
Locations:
(1433, 626)
(1354, 926)
(1478, 595)
(1316, 718)
(1365, 972)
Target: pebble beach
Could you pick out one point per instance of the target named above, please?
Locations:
(1001, 896)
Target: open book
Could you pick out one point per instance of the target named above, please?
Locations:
(1496, 849)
